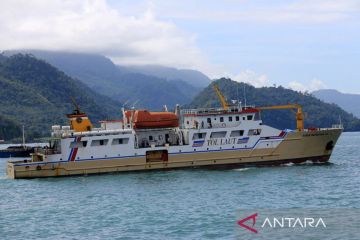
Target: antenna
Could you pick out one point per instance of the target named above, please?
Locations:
(23, 135)
(244, 94)
(124, 104)
(340, 122)
(133, 106)
(237, 91)
(77, 108)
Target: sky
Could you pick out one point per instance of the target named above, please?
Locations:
(305, 45)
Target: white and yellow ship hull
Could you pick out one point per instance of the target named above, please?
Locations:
(294, 147)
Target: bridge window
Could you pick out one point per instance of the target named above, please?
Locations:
(78, 144)
(199, 136)
(230, 119)
(254, 132)
(117, 141)
(249, 117)
(218, 134)
(237, 133)
(100, 142)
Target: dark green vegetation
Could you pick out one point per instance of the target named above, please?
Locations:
(317, 113)
(35, 94)
(147, 86)
(347, 101)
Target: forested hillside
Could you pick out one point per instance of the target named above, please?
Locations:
(34, 93)
(148, 86)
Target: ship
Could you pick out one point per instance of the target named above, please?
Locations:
(17, 150)
(232, 136)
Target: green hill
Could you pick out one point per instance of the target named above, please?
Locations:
(317, 112)
(149, 86)
(36, 94)
(9, 128)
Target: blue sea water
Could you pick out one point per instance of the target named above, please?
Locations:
(178, 204)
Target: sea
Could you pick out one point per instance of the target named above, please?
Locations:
(174, 204)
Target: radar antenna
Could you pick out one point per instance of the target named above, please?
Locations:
(77, 108)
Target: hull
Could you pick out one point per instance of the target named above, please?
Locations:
(19, 153)
(296, 147)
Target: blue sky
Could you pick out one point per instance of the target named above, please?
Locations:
(305, 45)
(296, 41)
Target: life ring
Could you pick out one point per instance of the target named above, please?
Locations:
(223, 125)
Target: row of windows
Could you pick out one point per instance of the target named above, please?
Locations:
(222, 134)
(99, 142)
(230, 118)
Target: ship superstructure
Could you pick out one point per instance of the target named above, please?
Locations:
(231, 136)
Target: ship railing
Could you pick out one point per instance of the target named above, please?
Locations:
(215, 110)
(97, 133)
(337, 126)
(208, 110)
(46, 151)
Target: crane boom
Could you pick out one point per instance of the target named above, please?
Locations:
(299, 113)
(221, 97)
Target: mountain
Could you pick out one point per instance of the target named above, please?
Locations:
(9, 128)
(192, 77)
(347, 101)
(36, 94)
(148, 86)
(317, 112)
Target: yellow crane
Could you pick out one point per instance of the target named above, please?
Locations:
(221, 97)
(299, 113)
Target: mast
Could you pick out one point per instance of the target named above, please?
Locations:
(23, 135)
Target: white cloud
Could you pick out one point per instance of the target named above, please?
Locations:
(314, 85)
(94, 26)
(300, 11)
(251, 77)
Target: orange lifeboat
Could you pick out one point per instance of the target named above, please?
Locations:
(145, 119)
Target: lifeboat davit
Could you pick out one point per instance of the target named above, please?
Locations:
(144, 119)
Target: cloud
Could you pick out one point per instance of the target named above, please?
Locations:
(301, 11)
(315, 84)
(94, 26)
(251, 77)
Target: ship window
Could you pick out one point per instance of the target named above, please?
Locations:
(151, 138)
(221, 119)
(249, 117)
(78, 144)
(237, 133)
(199, 136)
(218, 134)
(230, 119)
(117, 141)
(208, 120)
(237, 118)
(100, 142)
(254, 132)
(243, 118)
